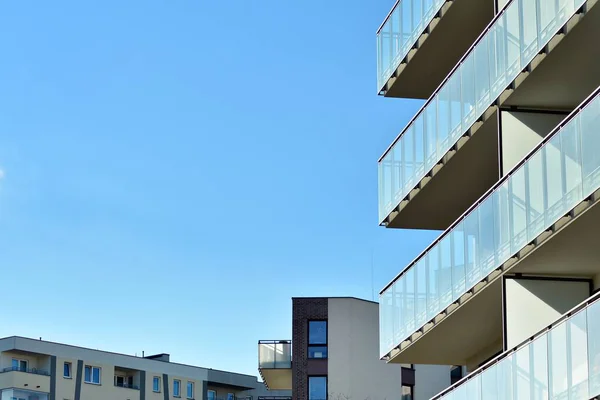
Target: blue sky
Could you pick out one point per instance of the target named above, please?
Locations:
(173, 172)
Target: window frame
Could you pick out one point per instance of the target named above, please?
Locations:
(156, 379)
(70, 364)
(18, 367)
(326, 386)
(412, 391)
(187, 389)
(314, 345)
(178, 382)
(92, 367)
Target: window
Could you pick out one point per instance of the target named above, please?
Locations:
(190, 390)
(230, 396)
(407, 392)
(19, 365)
(455, 374)
(317, 388)
(92, 375)
(212, 395)
(67, 370)
(156, 384)
(177, 388)
(317, 339)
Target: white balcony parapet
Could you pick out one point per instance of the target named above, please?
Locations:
(557, 175)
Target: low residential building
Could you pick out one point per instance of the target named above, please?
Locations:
(336, 356)
(39, 370)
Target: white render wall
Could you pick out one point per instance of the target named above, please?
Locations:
(531, 305)
(354, 369)
(521, 132)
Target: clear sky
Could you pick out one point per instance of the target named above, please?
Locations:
(173, 172)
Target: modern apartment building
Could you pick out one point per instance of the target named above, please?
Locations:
(335, 356)
(39, 370)
(504, 159)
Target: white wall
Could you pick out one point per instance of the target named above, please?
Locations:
(430, 380)
(531, 305)
(354, 368)
(521, 132)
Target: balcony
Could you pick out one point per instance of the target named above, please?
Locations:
(275, 363)
(23, 394)
(560, 362)
(25, 379)
(538, 202)
(417, 31)
(535, 54)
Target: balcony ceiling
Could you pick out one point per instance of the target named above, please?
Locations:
(568, 74)
(277, 378)
(439, 53)
(460, 182)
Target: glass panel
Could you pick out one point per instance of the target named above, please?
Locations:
(406, 28)
(455, 109)
(433, 292)
(430, 137)
(539, 367)
(397, 185)
(578, 356)
(590, 143)
(518, 209)
(502, 223)
(317, 351)
(458, 264)
(467, 78)
(536, 190)
(398, 40)
(554, 180)
(317, 388)
(487, 249)
(409, 302)
(421, 306)
(417, 22)
(443, 113)
(386, 338)
(419, 146)
(513, 43)
(489, 384)
(570, 137)
(522, 373)
(593, 317)
(408, 159)
(473, 269)
(505, 378)
(482, 75)
(498, 57)
(528, 22)
(557, 342)
(445, 277)
(398, 306)
(473, 388)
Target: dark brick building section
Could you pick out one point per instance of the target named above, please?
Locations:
(303, 310)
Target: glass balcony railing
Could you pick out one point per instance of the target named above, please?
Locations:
(274, 354)
(399, 33)
(559, 173)
(562, 362)
(506, 47)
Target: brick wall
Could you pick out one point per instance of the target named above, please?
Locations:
(303, 309)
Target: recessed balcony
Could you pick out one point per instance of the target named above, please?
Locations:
(275, 363)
